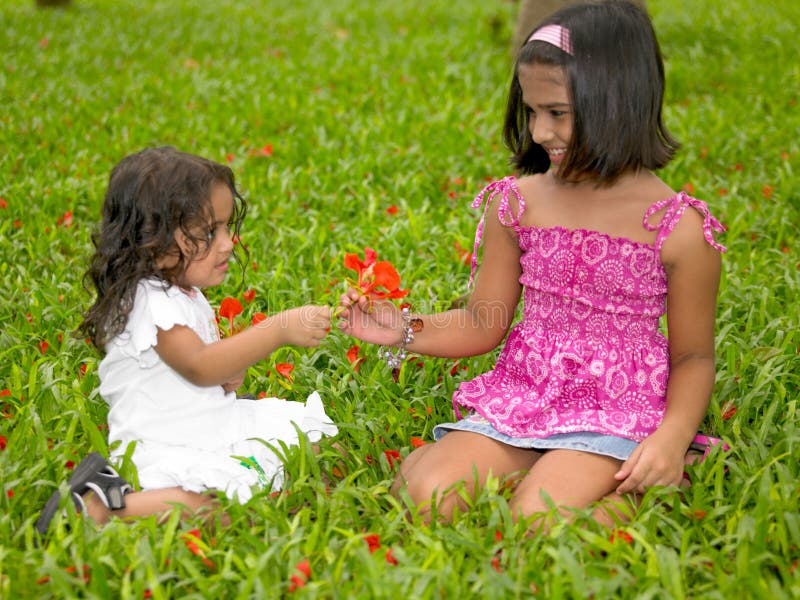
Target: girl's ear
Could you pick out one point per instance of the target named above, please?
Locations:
(172, 257)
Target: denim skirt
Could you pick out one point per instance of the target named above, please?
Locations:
(585, 441)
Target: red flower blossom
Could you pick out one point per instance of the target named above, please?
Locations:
(3, 203)
(767, 191)
(249, 295)
(228, 309)
(285, 369)
(5, 392)
(65, 219)
(390, 557)
(464, 255)
(728, 411)
(82, 369)
(192, 541)
(257, 318)
(391, 456)
(353, 357)
(43, 346)
(374, 275)
(69, 465)
(688, 188)
(392, 210)
(10, 494)
(266, 150)
(298, 580)
(373, 542)
(229, 157)
(620, 535)
(304, 568)
(496, 564)
(3, 442)
(417, 442)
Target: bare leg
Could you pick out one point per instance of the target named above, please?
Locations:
(431, 471)
(572, 479)
(151, 502)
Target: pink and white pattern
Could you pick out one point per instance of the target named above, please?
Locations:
(588, 354)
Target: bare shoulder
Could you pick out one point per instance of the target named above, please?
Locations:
(686, 243)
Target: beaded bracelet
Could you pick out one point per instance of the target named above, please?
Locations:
(395, 358)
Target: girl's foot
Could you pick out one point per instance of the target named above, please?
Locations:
(93, 474)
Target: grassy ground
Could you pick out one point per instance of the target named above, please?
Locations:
(350, 124)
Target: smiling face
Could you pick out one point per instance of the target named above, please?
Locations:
(550, 114)
(208, 261)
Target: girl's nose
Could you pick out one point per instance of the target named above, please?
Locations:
(540, 130)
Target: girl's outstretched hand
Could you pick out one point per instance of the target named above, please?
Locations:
(658, 460)
(373, 321)
(304, 325)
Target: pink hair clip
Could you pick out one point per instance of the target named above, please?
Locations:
(556, 35)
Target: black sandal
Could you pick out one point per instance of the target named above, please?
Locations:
(95, 474)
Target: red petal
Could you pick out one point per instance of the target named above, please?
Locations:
(285, 369)
(352, 262)
(229, 308)
(258, 317)
(386, 276)
(373, 541)
(370, 256)
(304, 568)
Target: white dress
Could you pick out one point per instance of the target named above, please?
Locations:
(197, 438)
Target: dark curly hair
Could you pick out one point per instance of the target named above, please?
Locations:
(151, 194)
(615, 76)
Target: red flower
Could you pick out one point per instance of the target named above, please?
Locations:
(374, 274)
(767, 191)
(620, 535)
(228, 309)
(298, 580)
(392, 210)
(10, 494)
(3, 442)
(304, 568)
(69, 465)
(3, 203)
(728, 411)
(391, 456)
(266, 150)
(353, 357)
(192, 541)
(464, 255)
(229, 157)
(285, 369)
(373, 542)
(65, 219)
(5, 392)
(249, 295)
(688, 188)
(258, 317)
(496, 564)
(43, 346)
(390, 557)
(417, 442)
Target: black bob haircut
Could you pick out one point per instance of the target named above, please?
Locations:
(615, 76)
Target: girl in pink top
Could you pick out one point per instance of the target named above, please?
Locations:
(588, 399)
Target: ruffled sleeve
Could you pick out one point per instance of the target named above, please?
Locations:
(676, 206)
(503, 187)
(155, 307)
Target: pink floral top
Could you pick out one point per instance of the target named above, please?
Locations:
(588, 354)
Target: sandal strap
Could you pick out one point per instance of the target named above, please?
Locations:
(109, 487)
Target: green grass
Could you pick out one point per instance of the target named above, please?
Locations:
(367, 106)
